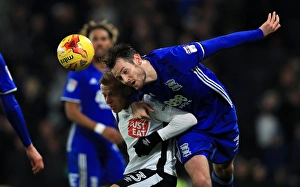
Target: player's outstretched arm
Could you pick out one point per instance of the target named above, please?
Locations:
(14, 115)
(35, 159)
(271, 25)
(211, 46)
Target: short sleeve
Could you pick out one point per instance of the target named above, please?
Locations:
(7, 84)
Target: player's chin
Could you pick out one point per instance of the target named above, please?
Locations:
(115, 109)
(138, 85)
(100, 53)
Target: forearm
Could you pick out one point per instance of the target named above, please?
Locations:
(231, 40)
(177, 125)
(14, 115)
(81, 119)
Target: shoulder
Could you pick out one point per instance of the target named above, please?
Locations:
(155, 104)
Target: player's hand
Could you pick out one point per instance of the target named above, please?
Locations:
(112, 135)
(145, 144)
(271, 25)
(139, 110)
(35, 159)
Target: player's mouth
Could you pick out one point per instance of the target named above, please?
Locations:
(132, 83)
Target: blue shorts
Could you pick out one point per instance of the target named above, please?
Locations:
(217, 144)
(94, 171)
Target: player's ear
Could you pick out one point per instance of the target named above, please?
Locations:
(137, 59)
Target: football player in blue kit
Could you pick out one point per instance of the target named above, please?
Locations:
(93, 157)
(175, 76)
(15, 117)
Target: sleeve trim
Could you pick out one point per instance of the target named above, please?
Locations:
(70, 99)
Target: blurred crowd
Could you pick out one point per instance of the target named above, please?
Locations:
(262, 77)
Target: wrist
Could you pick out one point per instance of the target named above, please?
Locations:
(99, 128)
(29, 147)
(155, 137)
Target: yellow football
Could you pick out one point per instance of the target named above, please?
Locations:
(75, 52)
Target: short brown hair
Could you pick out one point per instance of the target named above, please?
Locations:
(108, 79)
(110, 28)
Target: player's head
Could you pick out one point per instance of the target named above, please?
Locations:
(102, 34)
(125, 64)
(116, 94)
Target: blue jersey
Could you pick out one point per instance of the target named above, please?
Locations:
(7, 84)
(82, 87)
(189, 85)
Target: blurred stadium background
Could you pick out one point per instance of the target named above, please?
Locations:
(262, 77)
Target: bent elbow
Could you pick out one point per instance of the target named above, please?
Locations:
(193, 120)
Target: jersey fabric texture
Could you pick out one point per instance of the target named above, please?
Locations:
(82, 87)
(189, 85)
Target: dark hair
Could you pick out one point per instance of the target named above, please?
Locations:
(122, 50)
(113, 32)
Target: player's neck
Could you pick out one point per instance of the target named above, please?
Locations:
(151, 74)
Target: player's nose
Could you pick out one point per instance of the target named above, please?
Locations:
(126, 80)
(108, 100)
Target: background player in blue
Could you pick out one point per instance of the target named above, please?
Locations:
(14, 115)
(93, 157)
(175, 76)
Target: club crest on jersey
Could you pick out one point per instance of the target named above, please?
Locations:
(138, 127)
(190, 49)
(72, 84)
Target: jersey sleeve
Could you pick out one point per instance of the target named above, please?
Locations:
(186, 57)
(7, 84)
(72, 89)
(213, 45)
(178, 120)
(15, 117)
(182, 57)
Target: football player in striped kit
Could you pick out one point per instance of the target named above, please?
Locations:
(93, 158)
(15, 117)
(175, 76)
(158, 167)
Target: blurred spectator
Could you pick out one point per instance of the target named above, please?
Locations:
(267, 125)
(295, 154)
